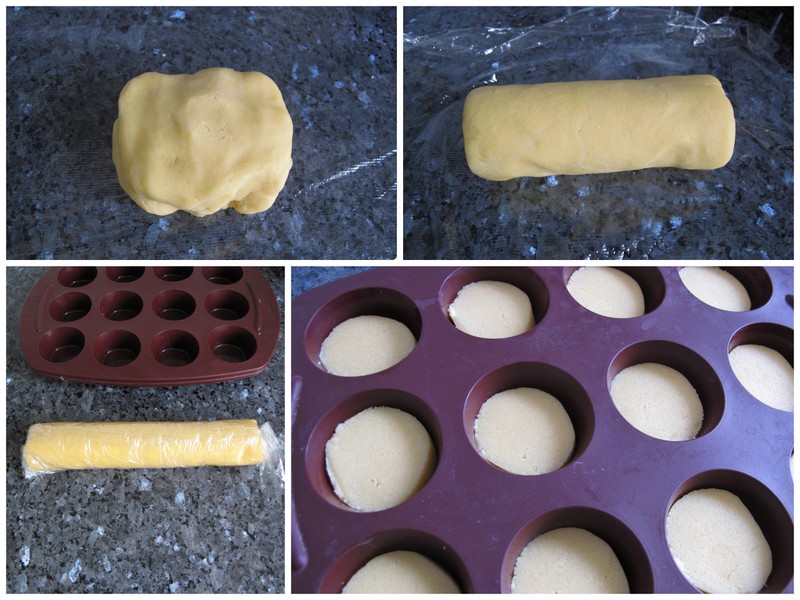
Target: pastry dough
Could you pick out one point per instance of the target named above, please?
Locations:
(491, 309)
(597, 127)
(716, 288)
(401, 572)
(765, 373)
(607, 291)
(58, 446)
(202, 142)
(568, 561)
(717, 543)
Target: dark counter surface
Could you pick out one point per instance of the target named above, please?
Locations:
(741, 211)
(207, 529)
(336, 69)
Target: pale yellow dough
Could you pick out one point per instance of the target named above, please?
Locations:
(491, 309)
(365, 345)
(658, 401)
(607, 291)
(765, 373)
(716, 288)
(379, 458)
(568, 561)
(597, 127)
(203, 142)
(401, 572)
(717, 543)
(524, 431)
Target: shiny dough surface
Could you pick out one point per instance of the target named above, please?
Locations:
(607, 291)
(58, 446)
(586, 127)
(717, 543)
(401, 572)
(203, 142)
(568, 561)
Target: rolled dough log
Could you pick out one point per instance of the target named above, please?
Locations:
(717, 543)
(59, 446)
(365, 345)
(765, 373)
(379, 458)
(716, 288)
(401, 572)
(568, 561)
(607, 291)
(658, 401)
(597, 127)
(202, 142)
(524, 431)
(491, 309)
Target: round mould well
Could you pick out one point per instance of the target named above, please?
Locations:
(756, 283)
(116, 348)
(222, 275)
(172, 273)
(520, 277)
(767, 510)
(124, 274)
(121, 305)
(771, 335)
(688, 363)
(349, 407)
(615, 533)
(174, 305)
(232, 344)
(76, 276)
(355, 557)
(61, 344)
(174, 348)
(71, 306)
(226, 305)
(649, 279)
(550, 379)
(382, 302)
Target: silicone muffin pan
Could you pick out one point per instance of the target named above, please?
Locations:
(474, 518)
(137, 326)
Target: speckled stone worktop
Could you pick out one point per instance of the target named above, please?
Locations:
(207, 529)
(741, 211)
(336, 68)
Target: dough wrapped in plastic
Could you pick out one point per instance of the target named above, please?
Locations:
(59, 446)
(586, 127)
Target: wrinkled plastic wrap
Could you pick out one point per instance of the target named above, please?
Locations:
(742, 211)
(52, 447)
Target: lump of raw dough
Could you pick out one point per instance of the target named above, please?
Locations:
(597, 127)
(524, 431)
(491, 309)
(203, 142)
(568, 561)
(607, 291)
(379, 458)
(364, 345)
(765, 373)
(401, 572)
(716, 288)
(717, 543)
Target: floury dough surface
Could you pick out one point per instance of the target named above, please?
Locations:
(716, 288)
(607, 291)
(203, 142)
(568, 561)
(524, 431)
(658, 401)
(364, 345)
(717, 543)
(401, 572)
(765, 373)
(587, 127)
(379, 458)
(491, 309)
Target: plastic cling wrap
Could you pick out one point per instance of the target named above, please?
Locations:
(54, 447)
(742, 211)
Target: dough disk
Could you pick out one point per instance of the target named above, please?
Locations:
(524, 431)
(401, 572)
(658, 401)
(765, 373)
(717, 544)
(491, 309)
(568, 561)
(202, 142)
(364, 345)
(597, 127)
(716, 288)
(607, 291)
(379, 458)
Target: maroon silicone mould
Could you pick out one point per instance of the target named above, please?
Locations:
(137, 326)
(474, 518)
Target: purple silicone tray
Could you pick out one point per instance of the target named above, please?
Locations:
(474, 518)
(137, 326)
